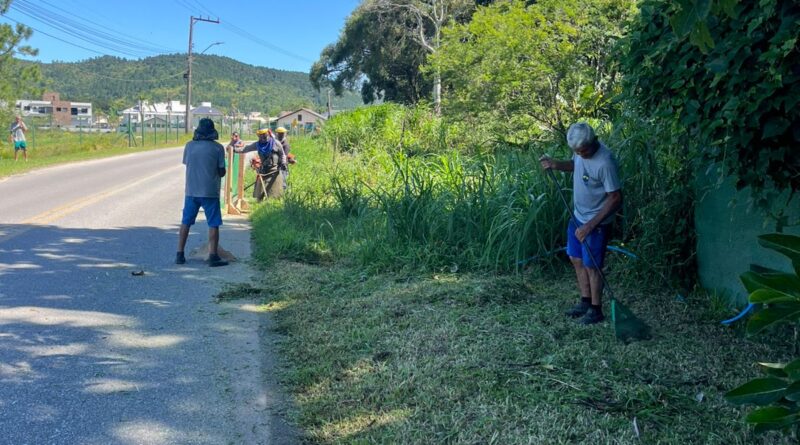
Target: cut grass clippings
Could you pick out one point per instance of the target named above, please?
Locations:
(463, 358)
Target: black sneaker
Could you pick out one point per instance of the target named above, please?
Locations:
(216, 261)
(180, 258)
(592, 316)
(578, 310)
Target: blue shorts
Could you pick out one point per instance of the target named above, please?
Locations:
(20, 145)
(597, 241)
(191, 206)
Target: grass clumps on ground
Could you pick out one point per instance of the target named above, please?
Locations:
(471, 358)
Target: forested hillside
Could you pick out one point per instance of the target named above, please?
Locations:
(113, 83)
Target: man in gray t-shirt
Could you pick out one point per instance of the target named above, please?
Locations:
(597, 195)
(205, 166)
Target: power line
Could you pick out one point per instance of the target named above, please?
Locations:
(253, 38)
(136, 40)
(73, 28)
(66, 30)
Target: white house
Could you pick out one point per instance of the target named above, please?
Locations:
(158, 114)
(304, 118)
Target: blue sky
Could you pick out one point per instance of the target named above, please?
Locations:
(286, 34)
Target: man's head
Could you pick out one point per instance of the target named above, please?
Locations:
(263, 134)
(582, 140)
(234, 135)
(281, 133)
(18, 118)
(205, 130)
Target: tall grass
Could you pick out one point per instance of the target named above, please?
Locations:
(375, 195)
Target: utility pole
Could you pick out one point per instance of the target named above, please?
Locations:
(330, 107)
(192, 19)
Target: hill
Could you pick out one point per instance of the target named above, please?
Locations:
(113, 83)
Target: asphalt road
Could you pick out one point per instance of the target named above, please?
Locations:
(92, 354)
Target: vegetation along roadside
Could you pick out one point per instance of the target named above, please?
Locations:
(382, 349)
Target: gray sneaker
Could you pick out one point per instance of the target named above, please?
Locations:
(592, 316)
(578, 310)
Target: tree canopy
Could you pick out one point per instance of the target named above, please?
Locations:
(16, 79)
(382, 47)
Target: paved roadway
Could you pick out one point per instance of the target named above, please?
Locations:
(91, 354)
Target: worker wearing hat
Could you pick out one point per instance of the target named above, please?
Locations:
(281, 137)
(269, 182)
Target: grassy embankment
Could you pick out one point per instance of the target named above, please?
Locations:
(382, 352)
(59, 147)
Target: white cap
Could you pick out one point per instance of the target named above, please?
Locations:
(580, 135)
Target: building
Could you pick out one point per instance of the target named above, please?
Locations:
(302, 118)
(158, 115)
(57, 112)
(205, 110)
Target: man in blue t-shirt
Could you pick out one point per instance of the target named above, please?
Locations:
(205, 166)
(597, 196)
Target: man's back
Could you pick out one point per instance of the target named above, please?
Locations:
(203, 159)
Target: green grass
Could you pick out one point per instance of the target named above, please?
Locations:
(59, 147)
(474, 358)
(453, 354)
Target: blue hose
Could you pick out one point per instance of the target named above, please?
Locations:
(741, 315)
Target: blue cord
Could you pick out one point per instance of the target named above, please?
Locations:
(741, 315)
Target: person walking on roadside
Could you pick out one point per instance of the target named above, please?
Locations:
(597, 195)
(204, 158)
(280, 133)
(272, 160)
(18, 130)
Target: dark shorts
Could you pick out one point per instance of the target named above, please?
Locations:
(20, 145)
(596, 241)
(191, 206)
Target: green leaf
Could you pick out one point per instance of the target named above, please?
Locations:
(729, 7)
(701, 37)
(775, 126)
(767, 296)
(779, 313)
(718, 65)
(691, 12)
(788, 245)
(761, 391)
(793, 392)
(793, 369)
(776, 416)
(782, 282)
(775, 369)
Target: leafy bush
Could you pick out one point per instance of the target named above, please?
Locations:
(729, 73)
(778, 394)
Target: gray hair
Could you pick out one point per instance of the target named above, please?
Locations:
(580, 135)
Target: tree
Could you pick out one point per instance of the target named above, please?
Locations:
(523, 71)
(16, 80)
(429, 17)
(382, 47)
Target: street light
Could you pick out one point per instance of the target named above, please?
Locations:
(209, 46)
